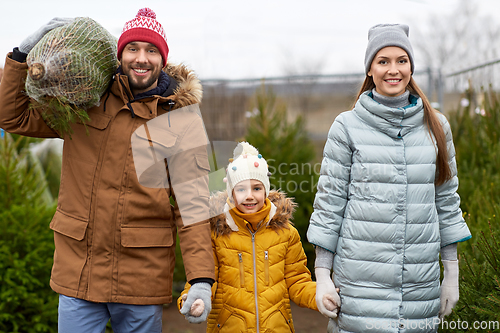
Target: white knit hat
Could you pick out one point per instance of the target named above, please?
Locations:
(246, 164)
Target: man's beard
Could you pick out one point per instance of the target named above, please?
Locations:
(141, 85)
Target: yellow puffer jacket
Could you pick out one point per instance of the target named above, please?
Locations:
(275, 253)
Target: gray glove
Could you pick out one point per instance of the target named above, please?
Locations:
(202, 291)
(29, 42)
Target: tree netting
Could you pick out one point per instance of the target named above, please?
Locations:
(70, 68)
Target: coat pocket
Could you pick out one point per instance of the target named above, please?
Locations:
(242, 270)
(150, 147)
(229, 322)
(68, 226)
(279, 320)
(146, 237)
(266, 268)
(70, 254)
(203, 171)
(146, 261)
(202, 162)
(98, 121)
(155, 136)
(92, 131)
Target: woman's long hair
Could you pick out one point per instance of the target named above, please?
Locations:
(443, 172)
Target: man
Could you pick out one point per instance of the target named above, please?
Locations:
(115, 238)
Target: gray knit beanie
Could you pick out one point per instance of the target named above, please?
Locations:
(383, 35)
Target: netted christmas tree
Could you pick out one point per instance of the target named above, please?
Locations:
(69, 70)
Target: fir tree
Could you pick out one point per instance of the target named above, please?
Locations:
(27, 304)
(479, 301)
(290, 155)
(477, 144)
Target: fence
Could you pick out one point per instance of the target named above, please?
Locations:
(227, 104)
(474, 80)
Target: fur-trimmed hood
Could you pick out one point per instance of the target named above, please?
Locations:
(188, 89)
(280, 215)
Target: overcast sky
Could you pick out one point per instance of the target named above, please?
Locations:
(245, 39)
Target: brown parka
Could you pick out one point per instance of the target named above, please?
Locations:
(114, 238)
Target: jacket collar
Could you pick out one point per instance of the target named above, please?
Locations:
(160, 89)
(222, 223)
(395, 122)
(183, 89)
(236, 225)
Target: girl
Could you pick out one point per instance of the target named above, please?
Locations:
(259, 260)
(386, 204)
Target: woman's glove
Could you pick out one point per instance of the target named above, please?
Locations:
(449, 287)
(333, 326)
(198, 303)
(29, 42)
(327, 297)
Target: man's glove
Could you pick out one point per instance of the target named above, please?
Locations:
(29, 42)
(449, 287)
(327, 297)
(200, 291)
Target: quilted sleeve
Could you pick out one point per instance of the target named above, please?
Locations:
(451, 223)
(301, 288)
(331, 196)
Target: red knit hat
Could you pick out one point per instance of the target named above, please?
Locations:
(144, 28)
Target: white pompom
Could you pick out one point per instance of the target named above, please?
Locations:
(244, 148)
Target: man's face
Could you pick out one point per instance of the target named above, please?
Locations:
(142, 64)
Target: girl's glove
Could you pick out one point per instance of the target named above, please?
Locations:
(29, 42)
(449, 287)
(198, 303)
(327, 297)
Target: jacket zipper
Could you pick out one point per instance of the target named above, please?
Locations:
(266, 267)
(255, 280)
(90, 247)
(242, 271)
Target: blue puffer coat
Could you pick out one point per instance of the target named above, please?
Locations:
(378, 209)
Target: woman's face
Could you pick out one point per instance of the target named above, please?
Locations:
(391, 71)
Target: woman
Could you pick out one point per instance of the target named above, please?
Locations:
(386, 204)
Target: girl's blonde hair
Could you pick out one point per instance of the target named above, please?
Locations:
(443, 171)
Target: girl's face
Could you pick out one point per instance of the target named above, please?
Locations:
(249, 196)
(391, 71)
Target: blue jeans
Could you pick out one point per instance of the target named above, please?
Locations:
(80, 316)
